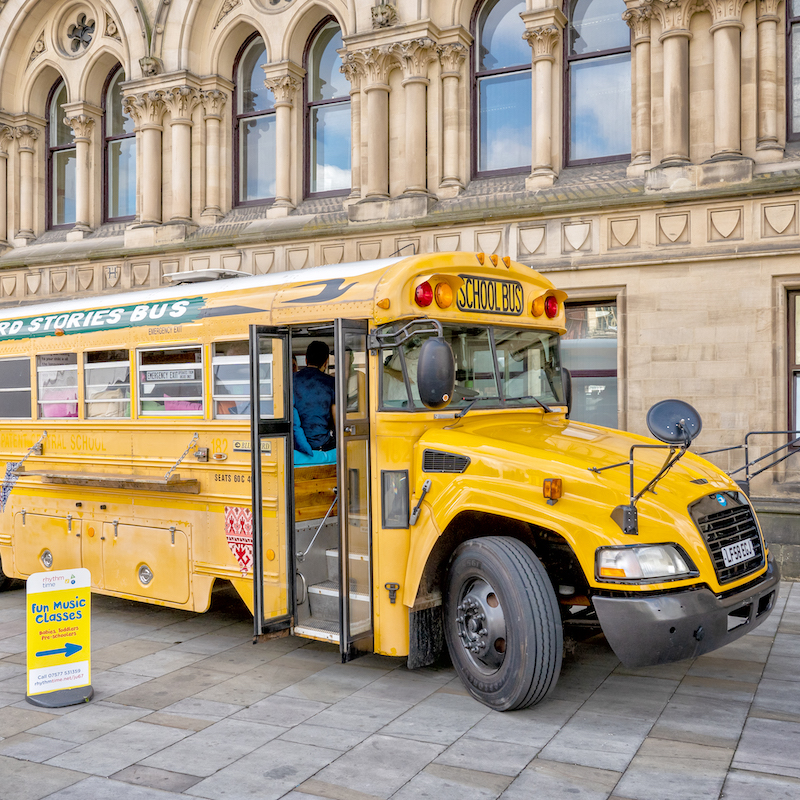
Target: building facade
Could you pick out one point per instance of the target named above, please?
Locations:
(643, 154)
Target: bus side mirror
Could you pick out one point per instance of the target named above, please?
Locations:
(566, 383)
(436, 373)
(674, 422)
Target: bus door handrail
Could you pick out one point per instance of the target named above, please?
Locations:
(391, 338)
(748, 464)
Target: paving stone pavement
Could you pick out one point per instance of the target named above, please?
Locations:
(187, 707)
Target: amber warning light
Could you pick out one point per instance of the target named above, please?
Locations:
(551, 489)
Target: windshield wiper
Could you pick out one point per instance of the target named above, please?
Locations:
(463, 412)
(546, 408)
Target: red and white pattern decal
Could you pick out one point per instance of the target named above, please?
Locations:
(239, 533)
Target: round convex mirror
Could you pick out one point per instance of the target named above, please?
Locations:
(674, 422)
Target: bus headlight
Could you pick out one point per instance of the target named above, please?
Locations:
(643, 564)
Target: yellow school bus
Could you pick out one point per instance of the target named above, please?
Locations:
(151, 438)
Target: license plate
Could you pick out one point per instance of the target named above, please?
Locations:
(738, 552)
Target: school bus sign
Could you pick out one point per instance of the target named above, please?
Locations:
(59, 672)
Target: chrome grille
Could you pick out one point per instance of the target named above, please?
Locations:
(725, 526)
(437, 461)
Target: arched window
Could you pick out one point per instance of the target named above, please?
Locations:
(119, 153)
(327, 114)
(61, 157)
(254, 126)
(502, 88)
(598, 81)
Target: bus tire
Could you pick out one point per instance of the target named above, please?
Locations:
(502, 623)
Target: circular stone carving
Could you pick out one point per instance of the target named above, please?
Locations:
(77, 29)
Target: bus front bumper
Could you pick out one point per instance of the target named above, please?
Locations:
(660, 629)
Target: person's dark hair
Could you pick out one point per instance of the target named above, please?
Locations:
(317, 354)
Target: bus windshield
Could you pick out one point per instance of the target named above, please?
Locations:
(495, 367)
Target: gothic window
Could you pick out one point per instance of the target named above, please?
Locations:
(327, 114)
(598, 81)
(61, 157)
(119, 149)
(793, 10)
(254, 126)
(502, 88)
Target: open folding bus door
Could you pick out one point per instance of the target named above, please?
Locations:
(272, 478)
(356, 635)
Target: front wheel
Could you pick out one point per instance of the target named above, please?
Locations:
(502, 623)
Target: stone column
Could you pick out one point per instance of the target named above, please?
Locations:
(768, 139)
(353, 70)
(726, 29)
(452, 57)
(27, 150)
(213, 102)
(7, 135)
(543, 41)
(147, 110)
(414, 58)
(638, 19)
(284, 87)
(377, 65)
(82, 126)
(674, 16)
(181, 102)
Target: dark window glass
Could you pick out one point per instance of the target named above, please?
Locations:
(589, 352)
(254, 126)
(328, 114)
(61, 158)
(599, 78)
(119, 144)
(793, 27)
(15, 388)
(394, 498)
(503, 88)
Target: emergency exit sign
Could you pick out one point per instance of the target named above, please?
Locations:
(58, 633)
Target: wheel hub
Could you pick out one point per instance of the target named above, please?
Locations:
(481, 625)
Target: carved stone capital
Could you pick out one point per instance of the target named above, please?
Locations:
(181, 101)
(82, 126)
(674, 15)
(638, 17)
(768, 10)
(213, 101)
(452, 57)
(27, 136)
(147, 108)
(415, 56)
(7, 135)
(725, 12)
(377, 63)
(543, 41)
(284, 87)
(352, 68)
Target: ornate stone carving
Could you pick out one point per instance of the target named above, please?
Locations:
(150, 66)
(725, 11)
(452, 56)
(674, 15)
(376, 63)
(415, 56)
(147, 109)
(7, 135)
(638, 19)
(82, 126)
(226, 9)
(543, 41)
(38, 48)
(81, 33)
(352, 68)
(27, 136)
(384, 15)
(111, 30)
(768, 9)
(283, 87)
(181, 101)
(213, 101)
(3, 4)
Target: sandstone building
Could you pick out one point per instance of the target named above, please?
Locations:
(644, 154)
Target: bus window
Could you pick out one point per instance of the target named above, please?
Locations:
(107, 383)
(171, 382)
(57, 375)
(15, 388)
(230, 369)
(529, 365)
